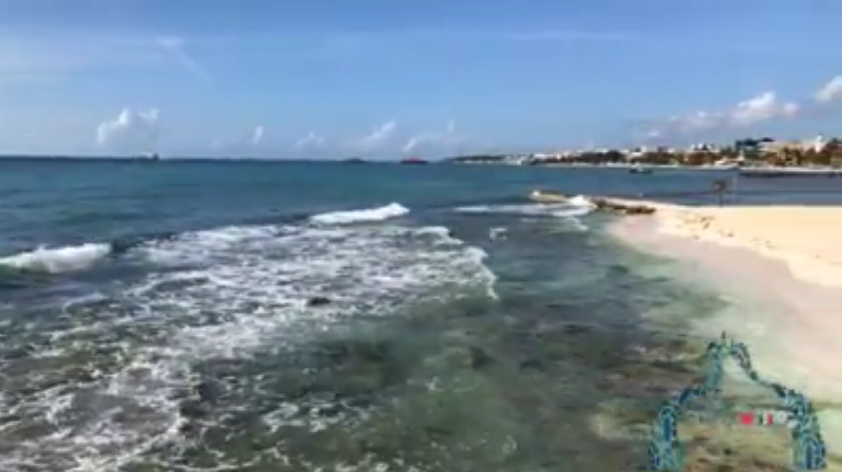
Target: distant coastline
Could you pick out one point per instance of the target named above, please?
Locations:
(764, 157)
(180, 159)
(817, 153)
(756, 169)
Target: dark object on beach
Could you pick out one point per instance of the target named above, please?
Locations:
(639, 210)
(413, 161)
(605, 204)
(318, 301)
(719, 186)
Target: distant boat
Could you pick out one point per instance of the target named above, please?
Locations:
(354, 160)
(413, 161)
(639, 169)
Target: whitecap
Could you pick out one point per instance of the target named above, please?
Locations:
(392, 210)
(572, 207)
(233, 294)
(59, 259)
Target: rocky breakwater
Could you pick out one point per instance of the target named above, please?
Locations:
(624, 207)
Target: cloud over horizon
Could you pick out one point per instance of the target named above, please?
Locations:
(438, 141)
(831, 91)
(247, 143)
(384, 140)
(135, 131)
(257, 135)
(543, 76)
(764, 107)
(311, 140)
(377, 139)
(131, 131)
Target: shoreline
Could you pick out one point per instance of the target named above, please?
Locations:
(759, 170)
(616, 166)
(802, 237)
(782, 278)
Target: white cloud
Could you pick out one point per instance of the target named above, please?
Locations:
(311, 140)
(415, 141)
(244, 143)
(831, 91)
(257, 135)
(378, 138)
(385, 139)
(763, 107)
(429, 140)
(131, 131)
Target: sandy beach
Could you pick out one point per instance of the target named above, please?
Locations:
(781, 270)
(805, 238)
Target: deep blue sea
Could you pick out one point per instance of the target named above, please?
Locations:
(252, 316)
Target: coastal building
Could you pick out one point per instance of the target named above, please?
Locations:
(702, 147)
(820, 151)
(779, 147)
(817, 144)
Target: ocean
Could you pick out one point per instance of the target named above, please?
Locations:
(256, 316)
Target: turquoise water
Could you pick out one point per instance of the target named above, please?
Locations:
(245, 316)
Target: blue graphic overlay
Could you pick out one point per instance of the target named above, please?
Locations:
(665, 451)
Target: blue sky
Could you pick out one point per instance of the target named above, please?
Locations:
(385, 79)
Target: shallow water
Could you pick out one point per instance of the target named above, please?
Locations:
(787, 322)
(225, 317)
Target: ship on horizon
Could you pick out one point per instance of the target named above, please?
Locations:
(149, 156)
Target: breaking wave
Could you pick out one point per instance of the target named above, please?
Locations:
(392, 210)
(568, 211)
(59, 259)
(56, 260)
(572, 207)
(124, 376)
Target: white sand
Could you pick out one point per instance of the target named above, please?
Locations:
(807, 239)
(783, 268)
